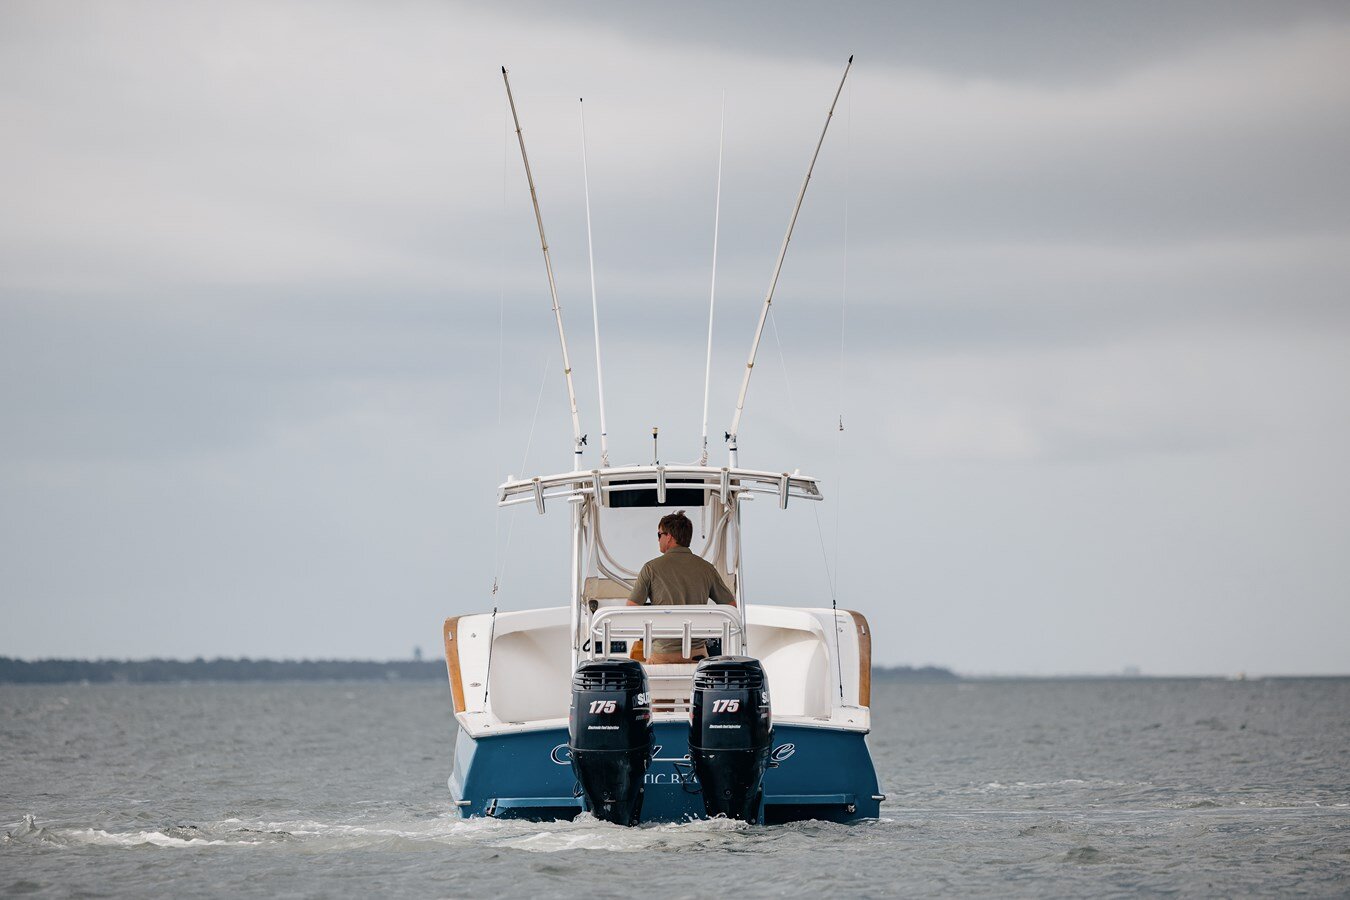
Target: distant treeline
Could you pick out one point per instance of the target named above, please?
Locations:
(159, 671)
(913, 673)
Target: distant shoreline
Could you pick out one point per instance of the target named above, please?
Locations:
(173, 671)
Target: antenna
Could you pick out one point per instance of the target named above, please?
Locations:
(578, 439)
(712, 291)
(777, 269)
(595, 308)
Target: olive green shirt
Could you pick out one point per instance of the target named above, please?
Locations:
(679, 577)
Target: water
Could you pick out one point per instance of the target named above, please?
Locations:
(1204, 788)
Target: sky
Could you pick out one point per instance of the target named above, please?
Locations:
(1075, 278)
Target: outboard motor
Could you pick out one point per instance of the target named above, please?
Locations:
(731, 734)
(610, 736)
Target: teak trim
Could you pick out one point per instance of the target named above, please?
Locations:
(864, 658)
(452, 663)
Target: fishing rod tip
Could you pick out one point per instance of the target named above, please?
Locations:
(850, 57)
(503, 70)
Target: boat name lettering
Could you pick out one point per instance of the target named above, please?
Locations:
(670, 778)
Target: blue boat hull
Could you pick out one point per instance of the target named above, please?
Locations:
(818, 773)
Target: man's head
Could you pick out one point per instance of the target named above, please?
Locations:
(674, 530)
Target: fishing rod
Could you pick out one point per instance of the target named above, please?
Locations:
(777, 269)
(595, 307)
(712, 291)
(578, 439)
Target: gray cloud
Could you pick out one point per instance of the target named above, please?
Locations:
(255, 261)
(1047, 42)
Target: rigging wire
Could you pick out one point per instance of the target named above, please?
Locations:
(820, 531)
(595, 304)
(511, 528)
(712, 290)
(529, 441)
(501, 377)
(501, 343)
(830, 573)
(843, 329)
(839, 401)
(487, 671)
(792, 402)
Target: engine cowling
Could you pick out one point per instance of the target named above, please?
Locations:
(610, 737)
(731, 735)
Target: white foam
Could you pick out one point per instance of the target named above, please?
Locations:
(585, 833)
(142, 838)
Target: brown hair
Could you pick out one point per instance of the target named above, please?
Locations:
(678, 526)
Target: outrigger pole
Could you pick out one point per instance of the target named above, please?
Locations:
(777, 269)
(578, 439)
(595, 306)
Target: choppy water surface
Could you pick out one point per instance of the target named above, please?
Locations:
(1018, 788)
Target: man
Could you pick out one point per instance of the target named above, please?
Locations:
(678, 577)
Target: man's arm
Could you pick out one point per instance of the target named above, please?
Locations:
(720, 593)
(642, 588)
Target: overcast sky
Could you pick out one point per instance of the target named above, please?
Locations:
(1076, 277)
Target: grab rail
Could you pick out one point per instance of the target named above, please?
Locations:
(725, 482)
(688, 623)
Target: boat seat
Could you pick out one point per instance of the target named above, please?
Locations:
(605, 589)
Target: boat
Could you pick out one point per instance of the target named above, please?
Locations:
(565, 709)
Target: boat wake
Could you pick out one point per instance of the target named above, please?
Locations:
(585, 833)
